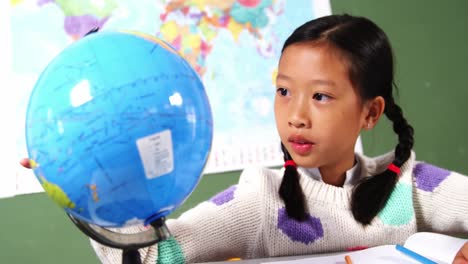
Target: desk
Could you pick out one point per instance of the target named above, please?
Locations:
(273, 259)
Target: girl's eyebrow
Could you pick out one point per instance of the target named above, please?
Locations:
(282, 76)
(329, 83)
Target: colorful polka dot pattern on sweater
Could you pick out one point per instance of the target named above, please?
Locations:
(399, 208)
(305, 232)
(170, 252)
(225, 196)
(251, 222)
(428, 176)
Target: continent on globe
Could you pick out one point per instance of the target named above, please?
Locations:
(56, 193)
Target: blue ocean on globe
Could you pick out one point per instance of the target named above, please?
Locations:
(119, 129)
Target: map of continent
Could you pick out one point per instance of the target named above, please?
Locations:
(234, 46)
(193, 38)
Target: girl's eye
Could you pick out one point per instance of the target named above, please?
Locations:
(321, 97)
(282, 91)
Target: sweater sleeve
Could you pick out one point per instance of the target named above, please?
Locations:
(225, 226)
(440, 200)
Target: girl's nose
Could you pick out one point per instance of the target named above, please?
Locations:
(299, 114)
(298, 123)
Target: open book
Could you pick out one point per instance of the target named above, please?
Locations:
(436, 247)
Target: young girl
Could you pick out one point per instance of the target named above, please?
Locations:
(335, 79)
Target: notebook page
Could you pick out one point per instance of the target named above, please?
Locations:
(382, 254)
(440, 248)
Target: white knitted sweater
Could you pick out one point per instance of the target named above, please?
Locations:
(248, 220)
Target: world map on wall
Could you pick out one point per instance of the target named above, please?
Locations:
(234, 46)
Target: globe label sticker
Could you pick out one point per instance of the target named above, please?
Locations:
(156, 153)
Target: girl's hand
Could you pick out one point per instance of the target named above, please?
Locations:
(462, 255)
(25, 163)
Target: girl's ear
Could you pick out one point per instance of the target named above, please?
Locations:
(374, 110)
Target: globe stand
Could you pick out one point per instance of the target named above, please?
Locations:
(129, 243)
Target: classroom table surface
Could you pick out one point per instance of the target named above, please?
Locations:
(272, 259)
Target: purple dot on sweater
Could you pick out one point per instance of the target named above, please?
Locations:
(428, 176)
(224, 196)
(305, 232)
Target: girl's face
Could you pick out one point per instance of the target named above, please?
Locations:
(318, 112)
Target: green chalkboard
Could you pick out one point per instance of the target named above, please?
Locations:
(430, 42)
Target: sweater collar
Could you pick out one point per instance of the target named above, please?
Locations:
(365, 166)
(351, 177)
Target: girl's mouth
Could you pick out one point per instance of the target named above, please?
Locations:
(300, 145)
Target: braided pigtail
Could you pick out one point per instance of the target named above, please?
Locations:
(290, 189)
(372, 193)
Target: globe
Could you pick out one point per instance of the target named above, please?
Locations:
(119, 128)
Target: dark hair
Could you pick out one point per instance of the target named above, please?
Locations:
(367, 50)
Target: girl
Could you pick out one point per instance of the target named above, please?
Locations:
(335, 79)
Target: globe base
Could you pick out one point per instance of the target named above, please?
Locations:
(129, 243)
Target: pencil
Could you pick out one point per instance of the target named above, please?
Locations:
(414, 255)
(348, 259)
